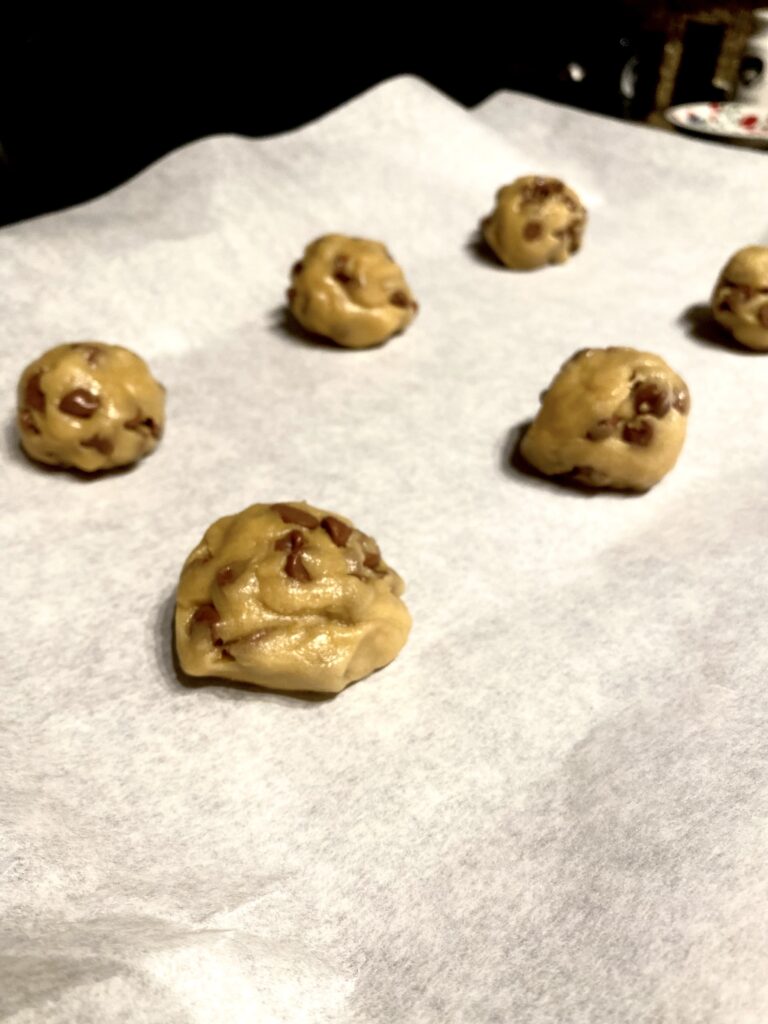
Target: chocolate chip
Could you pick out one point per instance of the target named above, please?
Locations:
(600, 431)
(340, 270)
(532, 230)
(399, 299)
(91, 353)
(226, 655)
(338, 532)
(571, 235)
(640, 433)
(290, 294)
(725, 306)
(33, 393)
(140, 420)
(292, 541)
(206, 613)
(295, 568)
(80, 403)
(297, 268)
(543, 188)
(682, 401)
(226, 574)
(26, 422)
(289, 514)
(652, 397)
(100, 444)
(762, 315)
(372, 559)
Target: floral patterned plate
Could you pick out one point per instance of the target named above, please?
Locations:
(733, 121)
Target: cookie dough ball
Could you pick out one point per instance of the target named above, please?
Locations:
(612, 417)
(290, 597)
(351, 291)
(740, 299)
(537, 221)
(89, 406)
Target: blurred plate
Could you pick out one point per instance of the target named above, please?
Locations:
(738, 122)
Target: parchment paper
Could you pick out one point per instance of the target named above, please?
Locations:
(552, 807)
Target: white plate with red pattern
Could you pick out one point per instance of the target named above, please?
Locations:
(738, 122)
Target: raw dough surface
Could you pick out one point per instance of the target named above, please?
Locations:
(740, 299)
(351, 291)
(90, 406)
(612, 417)
(291, 597)
(537, 221)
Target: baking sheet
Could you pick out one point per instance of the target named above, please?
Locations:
(552, 806)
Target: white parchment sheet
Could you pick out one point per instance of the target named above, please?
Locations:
(552, 807)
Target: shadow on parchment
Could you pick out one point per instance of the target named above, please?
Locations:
(481, 252)
(283, 321)
(514, 464)
(178, 681)
(699, 324)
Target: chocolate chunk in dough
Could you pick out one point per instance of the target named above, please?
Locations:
(77, 407)
(738, 301)
(612, 417)
(315, 607)
(536, 222)
(351, 291)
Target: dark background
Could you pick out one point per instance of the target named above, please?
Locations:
(86, 102)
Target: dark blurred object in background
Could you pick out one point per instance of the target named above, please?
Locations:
(87, 102)
(697, 69)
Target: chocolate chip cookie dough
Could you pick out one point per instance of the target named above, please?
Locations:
(290, 597)
(537, 221)
(89, 406)
(612, 417)
(351, 291)
(740, 299)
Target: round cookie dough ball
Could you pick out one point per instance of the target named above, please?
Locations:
(290, 597)
(740, 298)
(612, 417)
(89, 406)
(351, 291)
(537, 221)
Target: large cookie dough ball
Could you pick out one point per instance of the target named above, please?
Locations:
(740, 299)
(289, 597)
(612, 417)
(351, 291)
(537, 221)
(90, 406)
